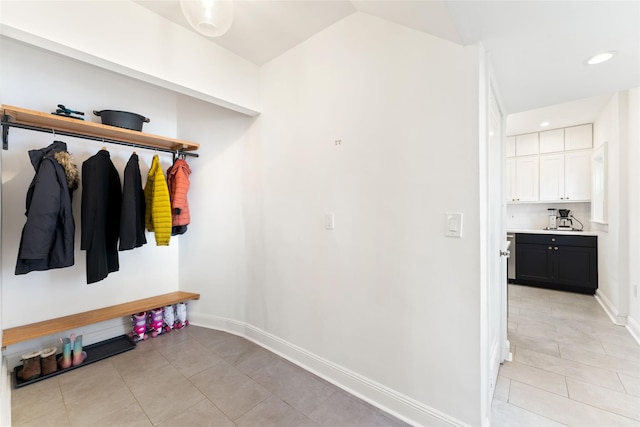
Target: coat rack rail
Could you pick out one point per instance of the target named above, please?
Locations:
(58, 125)
(5, 142)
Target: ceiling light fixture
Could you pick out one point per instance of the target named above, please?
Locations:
(544, 124)
(601, 57)
(211, 18)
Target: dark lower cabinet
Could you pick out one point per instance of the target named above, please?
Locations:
(554, 261)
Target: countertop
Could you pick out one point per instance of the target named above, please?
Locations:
(540, 231)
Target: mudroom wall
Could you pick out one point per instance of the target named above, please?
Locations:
(377, 125)
(5, 378)
(213, 258)
(36, 79)
(157, 79)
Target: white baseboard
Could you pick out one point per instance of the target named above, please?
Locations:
(495, 360)
(634, 328)
(400, 406)
(508, 355)
(610, 309)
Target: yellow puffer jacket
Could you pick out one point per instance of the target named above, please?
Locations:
(157, 217)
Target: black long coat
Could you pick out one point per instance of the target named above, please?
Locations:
(48, 235)
(100, 215)
(133, 207)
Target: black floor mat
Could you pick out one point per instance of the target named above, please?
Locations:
(95, 352)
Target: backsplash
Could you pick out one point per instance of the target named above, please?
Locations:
(534, 216)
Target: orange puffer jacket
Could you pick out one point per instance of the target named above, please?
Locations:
(178, 181)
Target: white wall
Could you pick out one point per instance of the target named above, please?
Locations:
(614, 240)
(633, 195)
(212, 253)
(5, 378)
(125, 37)
(385, 296)
(35, 79)
(5, 393)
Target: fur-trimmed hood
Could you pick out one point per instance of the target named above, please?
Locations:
(70, 169)
(58, 151)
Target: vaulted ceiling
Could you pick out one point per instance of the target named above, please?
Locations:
(538, 49)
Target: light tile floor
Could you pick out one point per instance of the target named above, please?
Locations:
(571, 365)
(192, 377)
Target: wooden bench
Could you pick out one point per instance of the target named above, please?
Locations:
(53, 326)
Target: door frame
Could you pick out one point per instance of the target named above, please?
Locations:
(495, 348)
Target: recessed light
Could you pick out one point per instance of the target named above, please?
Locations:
(544, 124)
(601, 57)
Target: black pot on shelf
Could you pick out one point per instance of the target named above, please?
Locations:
(122, 119)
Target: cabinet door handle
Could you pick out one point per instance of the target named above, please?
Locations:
(550, 248)
(567, 197)
(553, 239)
(555, 249)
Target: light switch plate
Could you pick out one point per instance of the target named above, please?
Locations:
(453, 224)
(329, 221)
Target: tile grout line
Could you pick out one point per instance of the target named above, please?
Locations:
(131, 391)
(529, 409)
(622, 383)
(573, 400)
(188, 379)
(579, 379)
(233, 420)
(578, 316)
(605, 410)
(64, 402)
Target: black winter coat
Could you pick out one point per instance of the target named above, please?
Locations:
(48, 236)
(100, 215)
(133, 207)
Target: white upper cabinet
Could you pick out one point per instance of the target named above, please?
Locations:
(527, 144)
(512, 194)
(522, 179)
(527, 179)
(578, 137)
(552, 141)
(551, 177)
(577, 175)
(550, 166)
(565, 176)
(511, 146)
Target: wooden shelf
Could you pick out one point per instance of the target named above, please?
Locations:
(60, 124)
(53, 326)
